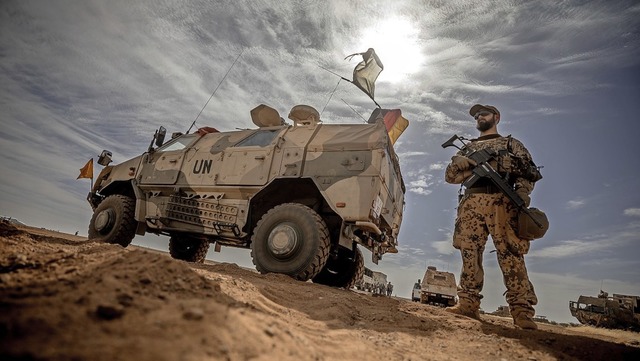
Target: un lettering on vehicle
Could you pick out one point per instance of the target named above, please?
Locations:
(202, 166)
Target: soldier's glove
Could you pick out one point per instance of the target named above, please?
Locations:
(462, 163)
(525, 196)
(461, 177)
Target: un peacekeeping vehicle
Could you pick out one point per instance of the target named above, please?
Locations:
(303, 197)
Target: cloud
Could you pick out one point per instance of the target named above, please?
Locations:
(593, 245)
(576, 203)
(633, 212)
(443, 247)
(410, 154)
(569, 248)
(422, 184)
(420, 190)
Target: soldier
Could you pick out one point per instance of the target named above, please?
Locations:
(484, 210)
(389, 289)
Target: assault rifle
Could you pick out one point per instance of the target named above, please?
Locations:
(484, 170)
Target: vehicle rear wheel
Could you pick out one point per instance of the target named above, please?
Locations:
(188, 249)
(291, 239)
(113, 220)
(344, 269)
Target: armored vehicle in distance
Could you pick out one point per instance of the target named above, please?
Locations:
(302, 197)
(617, 311)
(438, 288)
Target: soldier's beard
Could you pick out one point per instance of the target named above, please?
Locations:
(484, 125)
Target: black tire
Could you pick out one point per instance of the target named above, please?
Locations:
(113, 220)
(342, 270)
(291, 239)
(188, 248)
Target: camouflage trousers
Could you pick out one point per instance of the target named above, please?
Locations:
(481, 215)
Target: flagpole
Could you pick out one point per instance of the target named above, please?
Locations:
(343, 78)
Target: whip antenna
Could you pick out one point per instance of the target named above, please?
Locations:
(214, 91)
(355, 111)
(334, 90)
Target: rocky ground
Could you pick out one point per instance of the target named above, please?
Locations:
(63, 297)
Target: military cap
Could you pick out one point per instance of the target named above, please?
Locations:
(478, 107)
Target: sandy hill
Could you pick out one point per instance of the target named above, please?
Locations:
(63, 297)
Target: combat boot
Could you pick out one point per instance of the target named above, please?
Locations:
(464, 310)
(524, 321)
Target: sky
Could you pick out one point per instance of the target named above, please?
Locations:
(77, 77)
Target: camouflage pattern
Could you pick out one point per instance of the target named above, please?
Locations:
(483, 214)
(219, 184)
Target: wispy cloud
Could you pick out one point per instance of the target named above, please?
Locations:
(633, 212)
(569, 248)
(576, 203)
(593, 245)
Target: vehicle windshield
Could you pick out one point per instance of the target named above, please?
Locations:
(178, 143)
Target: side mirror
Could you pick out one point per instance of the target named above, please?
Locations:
(162, 132)
(105, 158)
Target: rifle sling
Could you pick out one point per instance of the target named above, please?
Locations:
(489, 188)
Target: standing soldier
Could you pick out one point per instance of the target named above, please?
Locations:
(484, 210)
(389, 289)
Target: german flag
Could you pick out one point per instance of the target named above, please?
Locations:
(393, 121)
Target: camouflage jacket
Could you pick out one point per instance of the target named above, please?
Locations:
(513, 161)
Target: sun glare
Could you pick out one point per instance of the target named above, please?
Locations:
(395, 40)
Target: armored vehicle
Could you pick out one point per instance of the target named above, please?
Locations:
(617, 311)
(301, 196)
(438, 287)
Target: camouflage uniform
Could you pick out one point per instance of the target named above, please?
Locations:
(484, 211)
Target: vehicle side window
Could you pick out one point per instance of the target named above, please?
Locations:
(178, 143)
(260, 138)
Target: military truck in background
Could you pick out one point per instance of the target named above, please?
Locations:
(618, 311)
(438, 288)
(301, 197)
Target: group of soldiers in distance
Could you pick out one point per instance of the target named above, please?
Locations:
(376, 288)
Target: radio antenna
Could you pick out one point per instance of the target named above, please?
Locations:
(355, 111)
(215, 90)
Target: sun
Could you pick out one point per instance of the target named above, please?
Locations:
(396, 42)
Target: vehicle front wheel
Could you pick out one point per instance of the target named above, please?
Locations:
(343, 269)
(188, 248)
(113, 220)
(291, 239)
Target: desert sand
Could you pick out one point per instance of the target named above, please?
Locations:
(63, 297)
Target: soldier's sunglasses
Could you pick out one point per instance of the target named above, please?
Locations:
(483, 113)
